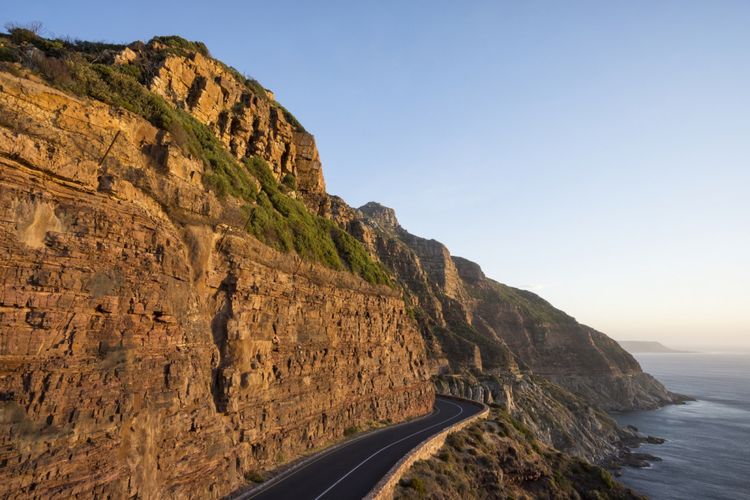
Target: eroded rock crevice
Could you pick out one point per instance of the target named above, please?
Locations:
(219, 333)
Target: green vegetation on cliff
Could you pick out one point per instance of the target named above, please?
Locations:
(529, 303)
(274, 217)
(285, 223)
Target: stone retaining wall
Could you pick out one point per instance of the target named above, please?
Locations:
(424, 450)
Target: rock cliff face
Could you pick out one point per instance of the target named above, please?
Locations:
(556, 416)
(248, 123)
(477, 325)
(508, 347)
(149, 346)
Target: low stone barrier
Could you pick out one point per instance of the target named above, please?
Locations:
(424, 450)
(284, 471)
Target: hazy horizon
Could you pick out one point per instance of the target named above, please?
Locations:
(594, 153)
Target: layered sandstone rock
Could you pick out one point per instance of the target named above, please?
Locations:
(249, 123)
(150, 348)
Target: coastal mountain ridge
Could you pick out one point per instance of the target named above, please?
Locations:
(474, 324)
(185, 307)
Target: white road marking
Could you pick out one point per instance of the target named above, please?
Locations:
(280, 479)
(386, 447)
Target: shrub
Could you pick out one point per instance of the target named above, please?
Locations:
(182, 46)
(118, 87)
(54, 70)
(9, 67)
(523, 429)
(7, 54)
(254, 476)
(92, 48)
(606, 478)
(457, 441)
(21, 34)
(417, 485)
(290, 181)
(254, 85)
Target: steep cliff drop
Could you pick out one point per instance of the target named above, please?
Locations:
(501, 345)
(150, 345)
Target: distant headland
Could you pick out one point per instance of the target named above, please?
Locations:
(646, 346)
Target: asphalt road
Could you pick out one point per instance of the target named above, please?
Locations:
(352, 470)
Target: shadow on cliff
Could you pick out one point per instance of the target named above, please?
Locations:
(219, 332)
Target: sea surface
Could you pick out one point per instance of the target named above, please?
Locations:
(707, 453)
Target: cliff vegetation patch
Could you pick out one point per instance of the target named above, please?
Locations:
(285, 223)
(274, 217)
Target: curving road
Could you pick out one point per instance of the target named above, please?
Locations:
(353, 469)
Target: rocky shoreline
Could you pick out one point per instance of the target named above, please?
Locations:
(632, 439)
(626, 457)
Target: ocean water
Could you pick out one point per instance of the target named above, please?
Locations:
(707, 453)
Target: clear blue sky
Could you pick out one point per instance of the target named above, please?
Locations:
(595, 152)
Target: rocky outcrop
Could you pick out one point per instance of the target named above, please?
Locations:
(246, 120)
(478, 326)
(149, 346)
(555, 416)
(555, 346)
